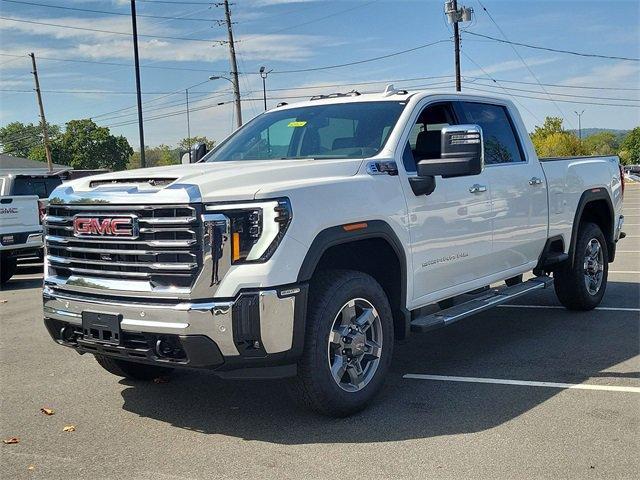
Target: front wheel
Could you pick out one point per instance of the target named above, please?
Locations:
(582, 286)
(348, 344)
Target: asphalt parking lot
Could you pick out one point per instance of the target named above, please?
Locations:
(467, 401)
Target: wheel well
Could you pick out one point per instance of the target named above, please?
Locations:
(598, 212)
(375, 257)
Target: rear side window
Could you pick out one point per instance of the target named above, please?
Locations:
(501, 143)
(42, 187)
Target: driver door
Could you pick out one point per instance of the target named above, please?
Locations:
(450, 229)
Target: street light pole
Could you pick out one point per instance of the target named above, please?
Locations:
(579, 123)
(263, 74)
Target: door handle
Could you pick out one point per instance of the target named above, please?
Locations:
(535, 181)
(477, 188)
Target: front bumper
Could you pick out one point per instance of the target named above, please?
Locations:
(258, 328)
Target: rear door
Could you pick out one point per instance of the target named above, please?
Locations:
(518, 188)
(450, 229)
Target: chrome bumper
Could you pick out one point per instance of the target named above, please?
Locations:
(214, 319)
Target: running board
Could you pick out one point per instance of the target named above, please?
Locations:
(495, 297)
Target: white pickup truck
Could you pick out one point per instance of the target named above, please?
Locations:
(313, 237)
(22, 201)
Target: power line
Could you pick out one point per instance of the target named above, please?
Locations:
(556, 100)
(504, 35)
(618, 99)
(587, 87)
(105, 12)
(503, 88)
(555, 50)
(110, 32)
(177, 2)
(307, 22)
(358, 62)
(119, 64)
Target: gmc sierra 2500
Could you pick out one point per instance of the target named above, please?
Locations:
(310, 239)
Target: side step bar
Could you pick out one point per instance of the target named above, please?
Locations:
(495, 297)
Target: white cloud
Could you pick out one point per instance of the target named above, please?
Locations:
(508, 66)
(618, 74)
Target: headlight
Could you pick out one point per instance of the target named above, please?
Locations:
(256, 228)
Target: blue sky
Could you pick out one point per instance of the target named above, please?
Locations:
(293, 35)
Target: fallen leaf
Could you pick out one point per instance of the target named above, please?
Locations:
(69, 428)
(4, 301)
(31, 467)
(11, 440)
(47, 411)
(161, 380)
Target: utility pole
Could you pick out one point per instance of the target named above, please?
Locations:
(456, 16)
(234, 64)
(136, 59)
(579, 123)
(43, 120)
(186, 92)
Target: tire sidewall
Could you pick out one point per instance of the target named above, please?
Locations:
(351, 287)
(588, 232)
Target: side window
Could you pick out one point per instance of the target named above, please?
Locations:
(424, 139)
(500, 140)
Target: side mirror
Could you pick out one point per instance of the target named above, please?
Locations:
(462, 153)
(196, 153)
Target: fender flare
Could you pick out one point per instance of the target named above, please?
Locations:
(587, 197)
(337, 235)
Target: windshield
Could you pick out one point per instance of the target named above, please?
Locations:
(340, 130)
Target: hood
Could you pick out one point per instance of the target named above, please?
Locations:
(206, 182)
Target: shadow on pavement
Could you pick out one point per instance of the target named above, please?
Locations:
(543, 345)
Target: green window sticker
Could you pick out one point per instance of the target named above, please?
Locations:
(297, 124)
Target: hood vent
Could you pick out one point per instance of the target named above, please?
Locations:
(153, 182)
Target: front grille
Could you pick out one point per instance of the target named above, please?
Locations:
(167, 251)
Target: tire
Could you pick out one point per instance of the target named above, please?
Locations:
(131, 370)
(570, 282)
(334, 295)
(8, 266)
(513, 281)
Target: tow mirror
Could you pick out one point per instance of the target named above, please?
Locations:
(196, 153)
(462, 153)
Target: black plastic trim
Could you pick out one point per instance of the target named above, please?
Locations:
(592, 195)
(337, 235)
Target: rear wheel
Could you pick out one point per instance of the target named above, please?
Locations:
(582, 286)
(132, 370)
(348, 344)
(8, 266)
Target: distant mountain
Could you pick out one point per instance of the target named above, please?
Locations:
(587, 132)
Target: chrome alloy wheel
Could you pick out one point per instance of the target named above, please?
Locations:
(593, 266)
(355, 345)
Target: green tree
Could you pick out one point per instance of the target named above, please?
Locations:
(156, 157)
(630, 148)
(19, 138)
(601, 143)
(186, 143)
(84, 145)
(551, 140)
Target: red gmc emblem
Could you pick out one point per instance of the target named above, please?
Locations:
(105, 226)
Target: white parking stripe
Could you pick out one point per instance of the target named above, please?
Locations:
(628, 251)
(501, 381)
(632, 272)
(605, 309)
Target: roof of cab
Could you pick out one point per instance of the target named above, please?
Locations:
(389, 95)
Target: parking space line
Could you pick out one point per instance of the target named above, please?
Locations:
(526, 383)
(633, 272)
(605, 309)
(628, 251)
